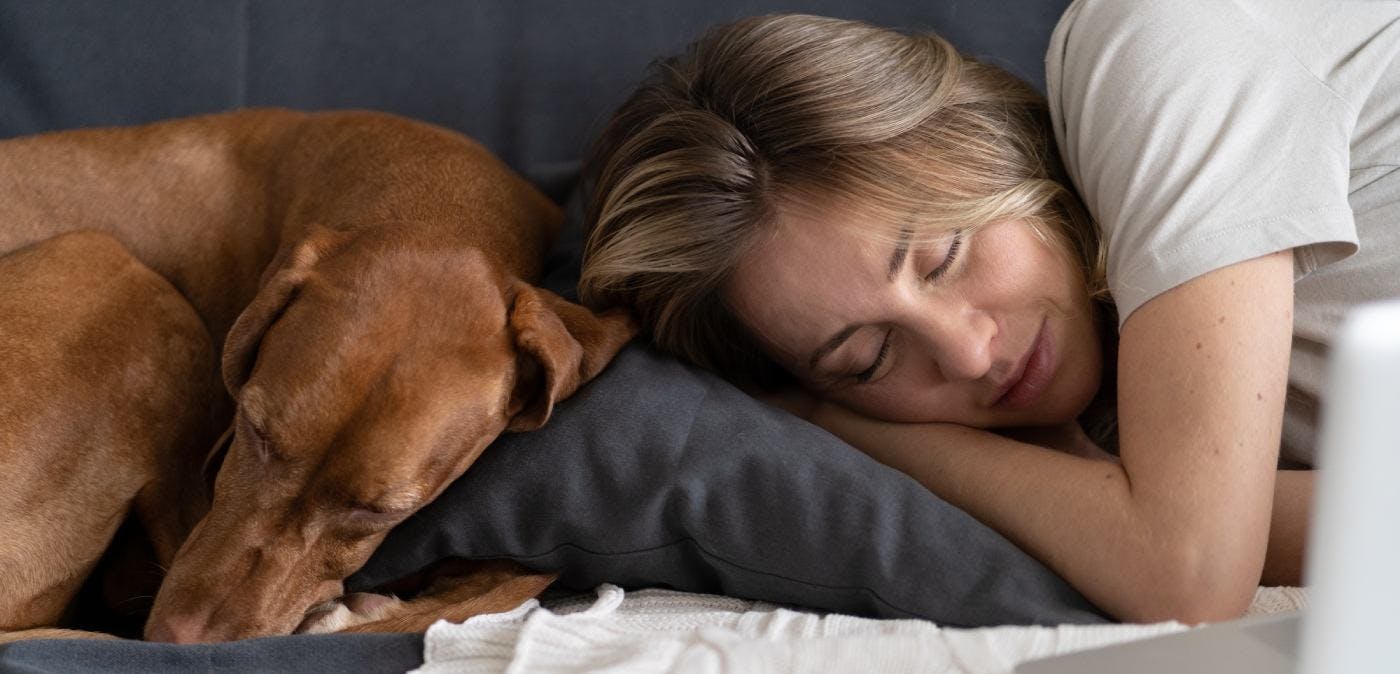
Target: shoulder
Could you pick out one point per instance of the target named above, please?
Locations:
(1134, 39)
(1158, 44)
(1168, 117)
(1111, 61)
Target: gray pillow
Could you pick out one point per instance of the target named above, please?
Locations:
(301, 654)
(659, 474)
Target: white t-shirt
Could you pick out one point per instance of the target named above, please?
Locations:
(1203, 133)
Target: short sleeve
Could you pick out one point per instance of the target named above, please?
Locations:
(1197, 140)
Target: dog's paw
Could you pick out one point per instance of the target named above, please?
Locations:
(356, 608)
(50, 633)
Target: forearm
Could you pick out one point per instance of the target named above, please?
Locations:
(1078, 516)
(1072, 514)
(1288, 531)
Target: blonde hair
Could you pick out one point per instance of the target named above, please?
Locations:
(689, 172)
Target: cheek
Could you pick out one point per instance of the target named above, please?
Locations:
(1011, 263)
(898, 399)
(1087, 361)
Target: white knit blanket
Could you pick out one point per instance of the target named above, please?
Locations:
(666, 631)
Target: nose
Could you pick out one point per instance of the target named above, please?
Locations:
(174, 629)
(960, 339)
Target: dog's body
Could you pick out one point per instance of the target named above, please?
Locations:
(206, 202)
(96, 416)
(362, 276)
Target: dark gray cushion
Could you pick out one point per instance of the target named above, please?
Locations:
(309, 654)
(660, 474)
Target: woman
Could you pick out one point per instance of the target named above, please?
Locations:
(800, 200)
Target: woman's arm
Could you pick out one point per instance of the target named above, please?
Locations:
(1288, 533)
(1179, 529)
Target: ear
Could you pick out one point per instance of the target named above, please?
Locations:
(560, 347)
(288, 271)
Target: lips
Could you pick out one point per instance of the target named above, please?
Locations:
(1034, 375)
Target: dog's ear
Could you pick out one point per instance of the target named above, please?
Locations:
(288, 271)
(560, 346)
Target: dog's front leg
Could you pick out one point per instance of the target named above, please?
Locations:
(456, 592)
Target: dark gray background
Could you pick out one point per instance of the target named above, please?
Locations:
(532, 79)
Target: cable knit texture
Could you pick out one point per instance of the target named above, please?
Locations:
(666, 631)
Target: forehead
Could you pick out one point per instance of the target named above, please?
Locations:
(426, 321)
(813, 274)
(410, 291)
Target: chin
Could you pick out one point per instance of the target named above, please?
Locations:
(1064, 403)
(1081, 393)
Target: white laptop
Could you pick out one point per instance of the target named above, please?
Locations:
(1352, 570)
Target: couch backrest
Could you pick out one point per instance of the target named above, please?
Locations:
(532, 79)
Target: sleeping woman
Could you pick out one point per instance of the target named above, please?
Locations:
(1096, 323)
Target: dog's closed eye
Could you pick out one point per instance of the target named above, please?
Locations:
(381, 508)
(243, 429)
(373, 514)
(252, 436)
(370, 508)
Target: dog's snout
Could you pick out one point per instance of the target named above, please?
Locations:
(175, 629)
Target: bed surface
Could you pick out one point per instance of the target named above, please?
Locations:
(642, 631)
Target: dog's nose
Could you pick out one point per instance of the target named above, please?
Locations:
(174, 629)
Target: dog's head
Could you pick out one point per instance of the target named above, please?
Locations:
(369, 372)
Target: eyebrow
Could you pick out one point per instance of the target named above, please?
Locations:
(901, 253)
(836, 340)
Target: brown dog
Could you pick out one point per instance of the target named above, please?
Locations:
(96, 416)
(384, 332)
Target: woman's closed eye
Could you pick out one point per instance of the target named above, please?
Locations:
(947, 252)
(865, 375)
(949, 257)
